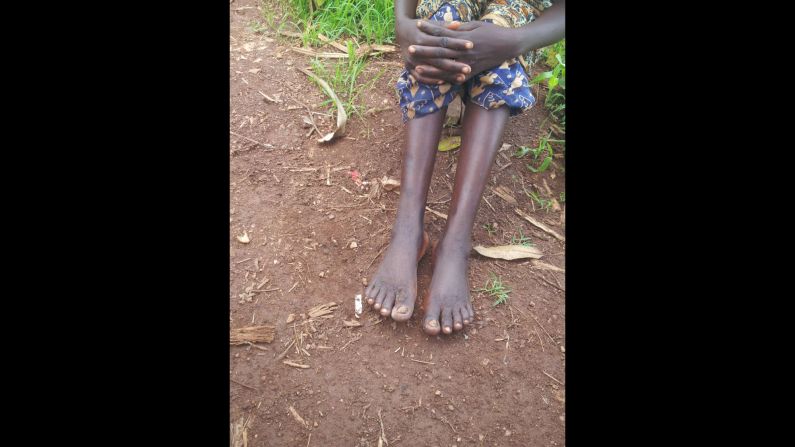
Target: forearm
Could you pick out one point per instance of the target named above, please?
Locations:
(404, 11)
(549, 28)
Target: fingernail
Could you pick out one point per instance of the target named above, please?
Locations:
(469, 45)
(419, 23)
(466, 69)
(440, 82)
(419, 69)
(412, 49)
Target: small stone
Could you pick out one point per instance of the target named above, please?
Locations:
(563, 349)
(451, 408)
(481, 438)
(315, 424)
(238, 355)
(330, 216)
(354, 244)
(532, 304)
(507, 433)
(364, 281)
(485, 362)
(438, 392)
(321, 274)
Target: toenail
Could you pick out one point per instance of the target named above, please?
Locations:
(433, 323)
(384, 311)
(466, 321)
(447, 329)
(402, 309)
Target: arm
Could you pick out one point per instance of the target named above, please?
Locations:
(442, 50)
(494, 44)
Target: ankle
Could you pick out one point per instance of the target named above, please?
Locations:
(452, 244)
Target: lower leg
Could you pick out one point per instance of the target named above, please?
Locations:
(395, 281)
(449, 291)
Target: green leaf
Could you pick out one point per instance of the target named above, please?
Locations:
(552, 83)
(541, 77)
(545, 164)
(449, 143)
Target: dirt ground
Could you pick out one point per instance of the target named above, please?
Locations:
(315, 236)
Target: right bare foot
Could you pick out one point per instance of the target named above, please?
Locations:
(393, 289)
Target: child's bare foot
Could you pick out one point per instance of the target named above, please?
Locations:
(394, 286)
(448, 296)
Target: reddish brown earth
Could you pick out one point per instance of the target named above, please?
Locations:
(488, 385)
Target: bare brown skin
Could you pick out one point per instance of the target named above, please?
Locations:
(449, 301)
(492, 45)
(445, 48)
(393, 289)
(430, 47)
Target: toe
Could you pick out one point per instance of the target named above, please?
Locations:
(465, 318)
(404, 306)
(389, 301)
(431, 325)
(380, 297)
(457, 320)
(447, 320)
(371, 292)
(471, 313)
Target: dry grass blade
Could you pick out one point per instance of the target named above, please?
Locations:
(442, 215)
(342, 117)
(334, 44)
(298, 417)
(238, 433)
(509, 252)
(504, 194)
(326, 55)
(538, 224)
(252, 334)
(290, 34)
(545, 266)
(352, 323)
(322, 310)
(295, 365)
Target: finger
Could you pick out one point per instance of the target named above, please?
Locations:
(436, 33)
(446, 65)
(468, 26)
(424, 79)
(436, 52)
(430, 71)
